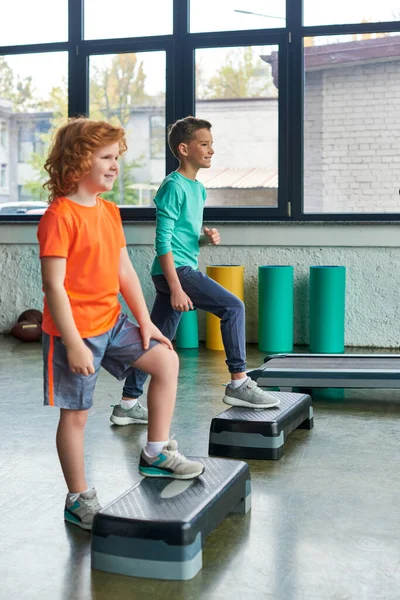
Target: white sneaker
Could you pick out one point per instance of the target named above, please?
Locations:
(136, 414)
(169, 463)
(249, 395)
(82, 511)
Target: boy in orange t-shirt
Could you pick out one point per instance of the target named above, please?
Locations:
(85, 264)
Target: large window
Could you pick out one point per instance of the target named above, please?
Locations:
(235, 91)
(28, 22)
(34, 98)
(352, 125)
(355, 11)
(129, 89)
(228, 15)
(302, 96)
(127, 18)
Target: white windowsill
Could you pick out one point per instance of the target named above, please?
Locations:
(285, 234)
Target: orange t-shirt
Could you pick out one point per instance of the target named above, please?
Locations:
(90, 238)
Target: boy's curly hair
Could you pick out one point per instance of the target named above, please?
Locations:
(70, 155)
(183, 131)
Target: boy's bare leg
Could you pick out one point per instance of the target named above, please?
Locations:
(162, 365)
(70, 447)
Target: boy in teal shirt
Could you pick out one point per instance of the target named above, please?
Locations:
(180, 286)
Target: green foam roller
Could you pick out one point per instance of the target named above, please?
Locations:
(275, 309)
(330, 394)
(327, 309)
(187, 335)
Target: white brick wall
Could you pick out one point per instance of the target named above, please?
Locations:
(313, 134)
(245, 132)
(352, 141)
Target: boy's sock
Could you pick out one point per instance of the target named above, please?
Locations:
(127, 404)
(235, 383)
(72, 496)
(154, 448)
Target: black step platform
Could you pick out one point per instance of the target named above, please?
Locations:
(260, 434)
(329, 371)
(157, 528)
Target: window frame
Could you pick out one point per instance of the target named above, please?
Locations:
(180, 50)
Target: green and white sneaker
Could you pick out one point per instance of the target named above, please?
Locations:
(122, 416)
(169, 463)
(249, 395)
(82, 511)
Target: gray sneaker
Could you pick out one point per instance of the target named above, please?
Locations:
(169, 463)
(122, 416)
(82, 511)
(249, 395)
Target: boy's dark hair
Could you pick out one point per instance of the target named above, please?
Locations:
(182, 132)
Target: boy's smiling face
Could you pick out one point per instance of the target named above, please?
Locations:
(198, 152)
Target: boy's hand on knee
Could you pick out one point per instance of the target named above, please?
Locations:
(181, 301)
(150, 331)
(213, 236)
(80, 359)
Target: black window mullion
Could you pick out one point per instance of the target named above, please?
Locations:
(282, 209)
(78, 72)
(183, 78)
(180, 76)
(294, 19)
(348, 29)
(121, 45)
(236, 38)
(170, 103)
(239, 39)
(34, 48)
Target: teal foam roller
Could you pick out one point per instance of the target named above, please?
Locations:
(187, 335)
(332, 394)
(327, 309)
(275, 308)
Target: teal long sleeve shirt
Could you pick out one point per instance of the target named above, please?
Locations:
(179, 216)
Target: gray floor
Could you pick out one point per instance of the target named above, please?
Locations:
(325, 522)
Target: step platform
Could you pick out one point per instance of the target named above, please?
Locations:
(157, 528)
(260, 433)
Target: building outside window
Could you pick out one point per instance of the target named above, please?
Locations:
(236, 91)
(30, 138)
(3, 134)
(157, 136)
(129, 89)
(3, 175)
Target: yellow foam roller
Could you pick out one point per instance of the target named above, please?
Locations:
(231, 277)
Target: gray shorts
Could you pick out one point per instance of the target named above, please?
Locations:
(114, 350)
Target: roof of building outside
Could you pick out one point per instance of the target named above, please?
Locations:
(233, 178)
(349, 52)
(318, 57)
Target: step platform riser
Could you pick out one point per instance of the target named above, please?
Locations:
(158, 540)
(161, 562)
(260, 435)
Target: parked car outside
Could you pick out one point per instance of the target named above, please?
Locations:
(22, 208)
